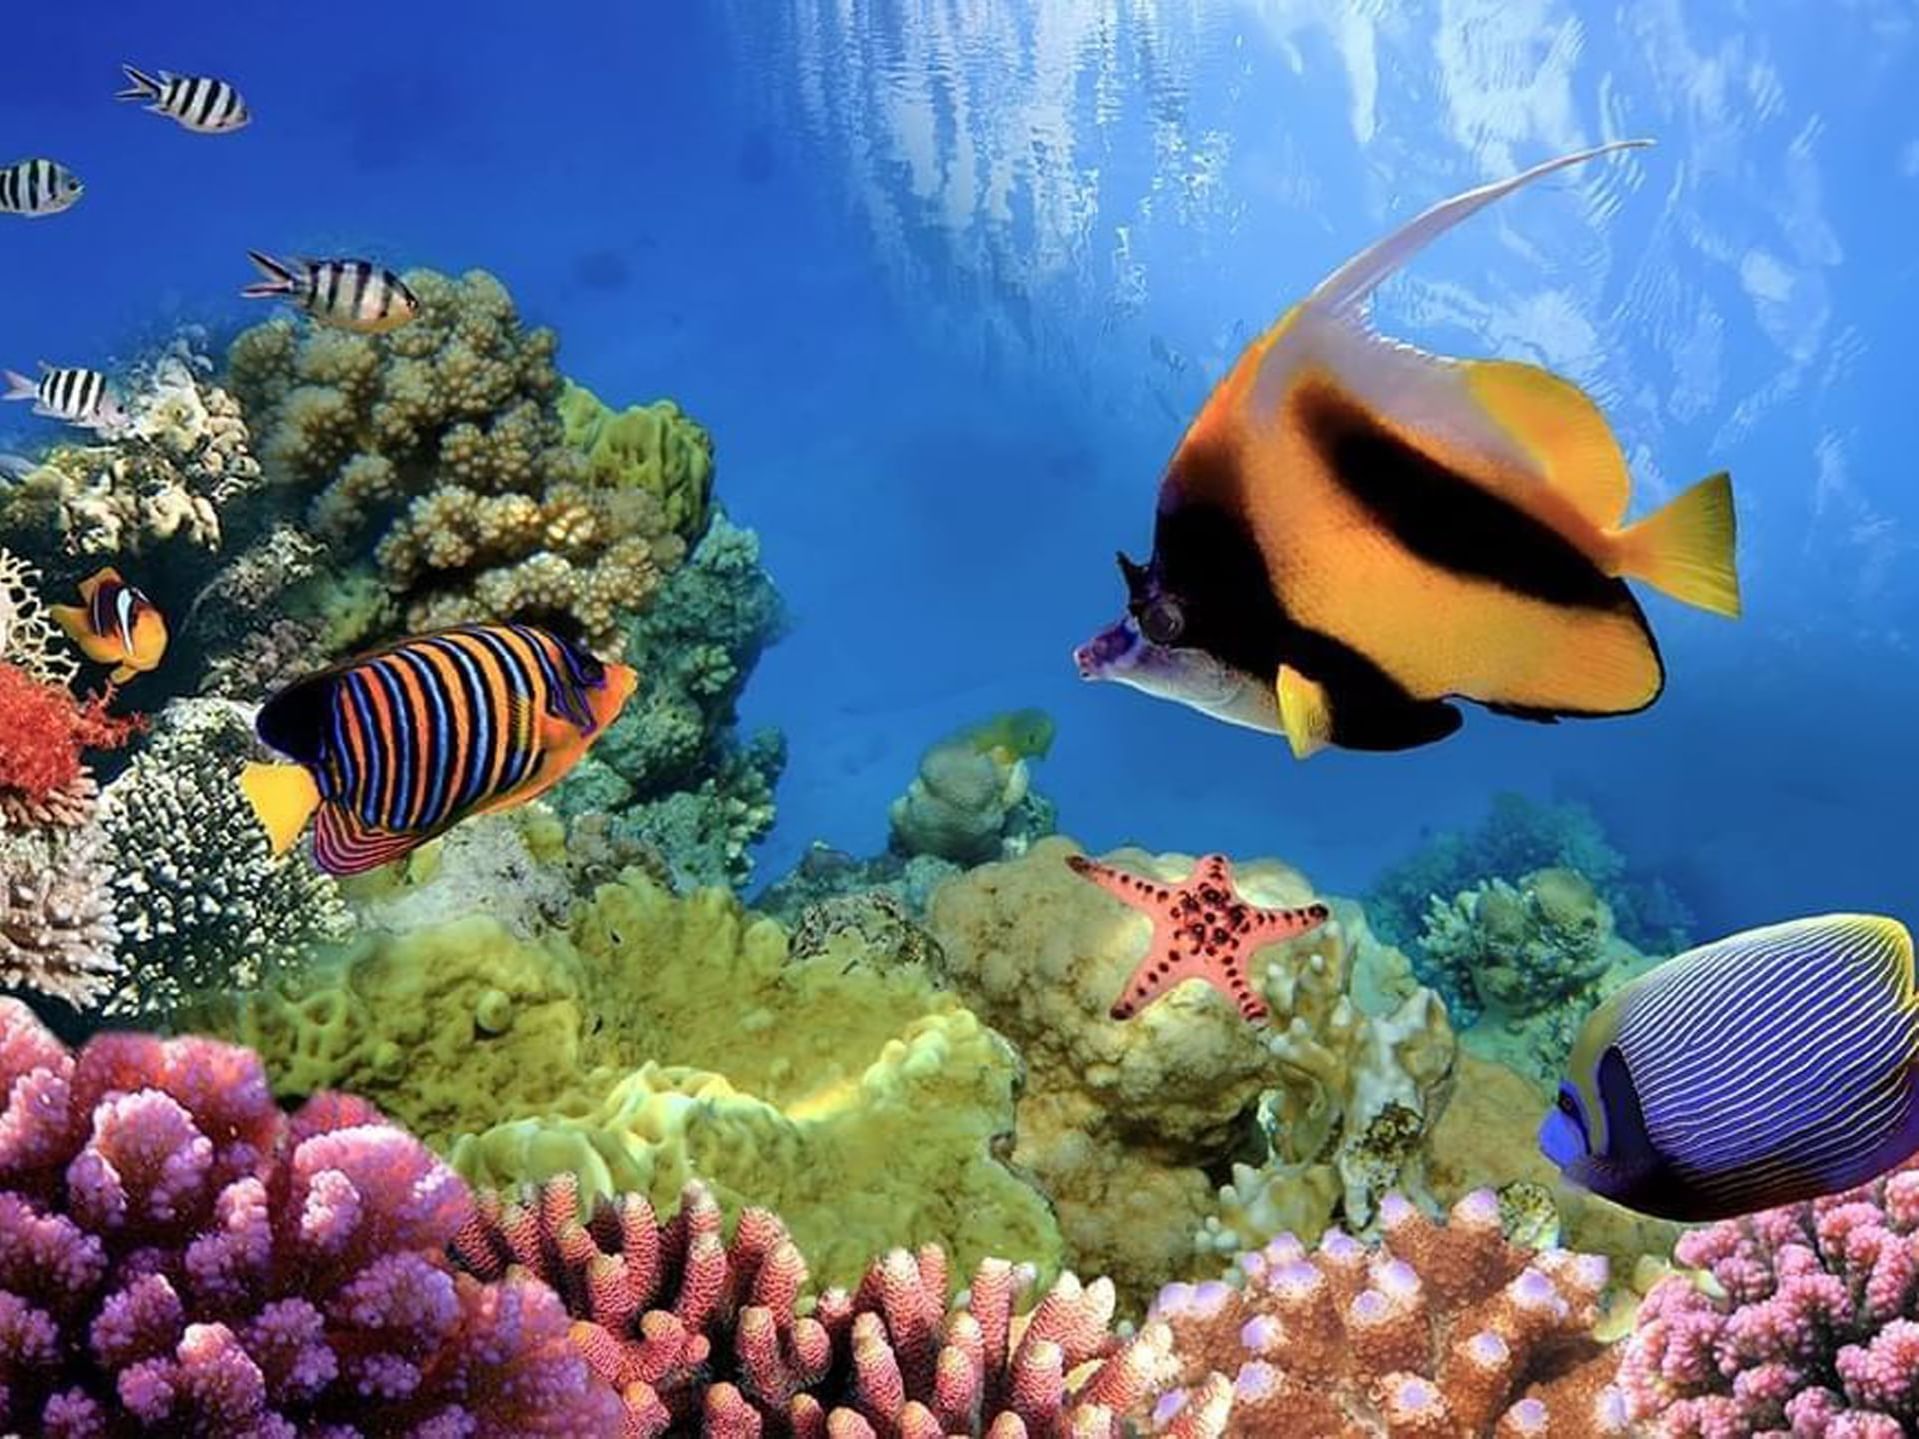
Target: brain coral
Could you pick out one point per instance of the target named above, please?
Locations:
(440, 449)
(662, 1037)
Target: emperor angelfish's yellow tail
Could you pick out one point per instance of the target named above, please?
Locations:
(284, 796)
(1686, 549)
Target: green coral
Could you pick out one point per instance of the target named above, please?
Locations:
(653, 447)
(661, 1037)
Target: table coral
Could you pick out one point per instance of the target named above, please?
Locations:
(440, 449)
(1808, 1322)
(1445, 1331)
(654, 448)
(706, 1336)
(179, 1257)
(1121, 1122)
(663, 1037)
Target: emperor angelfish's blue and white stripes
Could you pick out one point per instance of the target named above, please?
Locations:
(69, 392)
(348, 294)
(199, 102)
(37, 187)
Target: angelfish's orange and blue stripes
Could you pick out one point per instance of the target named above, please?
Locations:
(407, 741)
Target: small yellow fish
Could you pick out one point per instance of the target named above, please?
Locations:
(1013, 735)
(114, 624)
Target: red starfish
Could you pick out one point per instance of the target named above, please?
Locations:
(1202, 929)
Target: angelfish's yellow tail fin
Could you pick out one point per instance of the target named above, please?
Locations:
(1686, 549)
(284, 796)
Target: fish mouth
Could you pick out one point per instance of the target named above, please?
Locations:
(1085, 661)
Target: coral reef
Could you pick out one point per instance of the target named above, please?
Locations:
(653, 447)
(201, 901)
(29, 640)
(703, 1336)
(178, 1257)
(1523, 964)
(971, 801)
(1809, 1322)
(1444, 1330)
(440, 449)
(1121, 1122)
(664, 1037)
(825, 876)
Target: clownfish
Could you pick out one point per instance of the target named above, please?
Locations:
(1774, 1066)
(1367, 531)
(395, 747)
(114, 624)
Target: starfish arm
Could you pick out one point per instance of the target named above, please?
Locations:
(1277, 924)
(1141, 893)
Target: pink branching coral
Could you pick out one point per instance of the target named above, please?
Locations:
(711, 1338)
(1815, 1329)
(178, 1257)
(1444, 1331)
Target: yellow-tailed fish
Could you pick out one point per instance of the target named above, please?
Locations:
(1774, 1066)
(200, 103)
(397, 746)
(353, 295)
(1369, 531)
(114, 624)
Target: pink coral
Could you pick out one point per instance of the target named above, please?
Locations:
(1443, 1331)
(178, 1257)
(1816, 1329)
(711, 1338)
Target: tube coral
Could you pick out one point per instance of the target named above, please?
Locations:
(178, 1257)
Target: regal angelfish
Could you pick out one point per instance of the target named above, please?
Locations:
(347, 294)
(198, 102)
(38, 187)
(68, 392)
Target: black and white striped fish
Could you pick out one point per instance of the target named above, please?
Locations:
(68, 392)
(199, 102)
(348, 294)
(38, 187)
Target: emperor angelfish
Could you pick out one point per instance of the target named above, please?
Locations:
(397, 746)
(353, 295)
(1774, 1066)
(198, 102)
(38, 187)
(114, 624)
(1373, 530)
(69, 392)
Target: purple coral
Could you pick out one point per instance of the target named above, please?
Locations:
(177, 1256)
(1815, 1331)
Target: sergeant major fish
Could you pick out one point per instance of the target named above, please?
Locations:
(397, 746)
(198, 102)
(1372, 530)
(1777, 1065)
(38, 187)
(347, 294)
(114, 624)
(67, 392)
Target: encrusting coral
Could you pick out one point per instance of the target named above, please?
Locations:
(654, 448)
(440, 449)
(1803, 1319)
(710, 1337)
(664, 1037)
(202, 902)
(1122, 1121)
(179, 1257)
(1444, 1331)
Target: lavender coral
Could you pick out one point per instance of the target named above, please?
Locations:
(707, 1337)
(178, 1257)
(1811, 1324)
(1445, 1331)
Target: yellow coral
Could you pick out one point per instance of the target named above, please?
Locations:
(654, 448)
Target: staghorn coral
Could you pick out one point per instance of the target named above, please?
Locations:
(179, 1257)
(1446, 1331)
(702, 1336)
(664, 1037)
(1122, 1122)
(1806, 1319)
(201, 901)
(440, 449)
(654, 448)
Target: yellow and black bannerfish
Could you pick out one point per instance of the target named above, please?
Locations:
(397, 746)
(114, 624)
(1371, 530)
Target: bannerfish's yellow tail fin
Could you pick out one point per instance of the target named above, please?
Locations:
(1305, 712)
(284, 796)
(1686, 549)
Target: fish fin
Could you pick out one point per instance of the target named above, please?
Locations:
(19, 387)
(122, 674)
(72, 619)
(1525, 712)
(1687, 548)
(1305, 712)
(140, 86)
(1347, 288)
(1556, 423)
(280, 280)
(284, 797)
(343, 845)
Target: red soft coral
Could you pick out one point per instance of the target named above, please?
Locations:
(44, 731)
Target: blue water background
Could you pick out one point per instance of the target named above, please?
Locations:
(944, 281)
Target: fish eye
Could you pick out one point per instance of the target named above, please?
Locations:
(1161, 620)
(1566, 1105)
